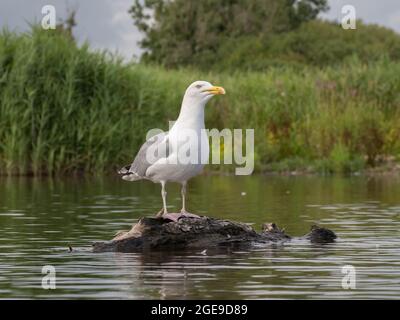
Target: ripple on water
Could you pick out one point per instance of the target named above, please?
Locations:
(38, 229)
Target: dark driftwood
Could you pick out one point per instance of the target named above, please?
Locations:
(152, 234)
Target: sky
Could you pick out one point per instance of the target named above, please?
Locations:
(106, 24)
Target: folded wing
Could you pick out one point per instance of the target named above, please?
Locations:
(137, 170)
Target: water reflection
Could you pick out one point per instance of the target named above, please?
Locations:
(40, 218)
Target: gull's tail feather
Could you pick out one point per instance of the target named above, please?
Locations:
(128, 175)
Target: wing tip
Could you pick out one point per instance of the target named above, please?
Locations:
(124, 170)
(128, 175)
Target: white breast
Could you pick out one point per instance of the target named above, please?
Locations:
(188, 153)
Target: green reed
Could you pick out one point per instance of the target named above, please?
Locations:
(67, 109)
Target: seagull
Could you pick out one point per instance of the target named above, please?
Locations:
(165, 165)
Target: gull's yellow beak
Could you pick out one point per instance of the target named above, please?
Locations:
(215, 90)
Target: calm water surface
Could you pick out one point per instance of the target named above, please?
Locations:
(40, 218)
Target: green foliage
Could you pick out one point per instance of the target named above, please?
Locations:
(315, 43)
(254, 35)
(64, 109)
(182, 32)
(340, 159)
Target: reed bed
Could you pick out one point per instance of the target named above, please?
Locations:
(67, 109)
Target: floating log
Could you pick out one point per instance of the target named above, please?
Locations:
(156, 234)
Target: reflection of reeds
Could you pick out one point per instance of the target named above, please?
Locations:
(66, 109)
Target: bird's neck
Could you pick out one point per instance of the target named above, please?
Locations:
(191, 114)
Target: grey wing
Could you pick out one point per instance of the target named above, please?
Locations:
(137, 170)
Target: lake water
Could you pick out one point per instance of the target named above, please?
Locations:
(40, 218)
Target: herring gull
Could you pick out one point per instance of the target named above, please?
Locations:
(165, 164)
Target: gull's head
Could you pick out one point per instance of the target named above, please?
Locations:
(202, 91)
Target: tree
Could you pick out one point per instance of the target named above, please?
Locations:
(183, 32)
(66, 26)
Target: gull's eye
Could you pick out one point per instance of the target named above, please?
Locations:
(199, 86)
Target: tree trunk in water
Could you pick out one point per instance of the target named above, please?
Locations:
(155, 234)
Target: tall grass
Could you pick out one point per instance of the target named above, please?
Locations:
(66, 109)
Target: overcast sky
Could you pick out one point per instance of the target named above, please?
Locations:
(107, 24)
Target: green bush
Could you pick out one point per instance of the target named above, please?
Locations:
(316, 43)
